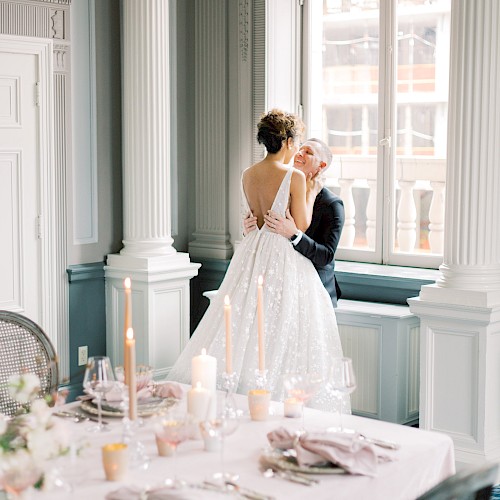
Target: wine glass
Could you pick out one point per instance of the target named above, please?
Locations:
(173, 428)
(224, 424)
(98, 380)
(302, 387)
(18, 472)
(341, 381)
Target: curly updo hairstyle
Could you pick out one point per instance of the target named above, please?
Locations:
(277, 126)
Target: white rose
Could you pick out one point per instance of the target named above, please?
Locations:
(23, 387)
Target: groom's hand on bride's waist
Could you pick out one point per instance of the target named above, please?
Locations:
(285, 226)
(249, 223)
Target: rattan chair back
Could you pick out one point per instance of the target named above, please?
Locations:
(24, 348)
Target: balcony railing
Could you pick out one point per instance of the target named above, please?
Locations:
(419, 222)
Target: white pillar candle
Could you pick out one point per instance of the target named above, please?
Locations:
(204, 370)
(227, 317)
(198, 399)
(260, 324)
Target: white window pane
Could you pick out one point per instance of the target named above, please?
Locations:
(421, 100)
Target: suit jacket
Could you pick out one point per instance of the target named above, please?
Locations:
(320, 241)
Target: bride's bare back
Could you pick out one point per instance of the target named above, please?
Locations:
(261, 183)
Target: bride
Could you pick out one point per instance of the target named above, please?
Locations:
(301, 333)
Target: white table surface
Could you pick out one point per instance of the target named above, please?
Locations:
(424, 459)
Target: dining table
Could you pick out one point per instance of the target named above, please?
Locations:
(422, 460)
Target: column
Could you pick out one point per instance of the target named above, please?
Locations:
(160, 275)
(460, 314)
(211, 236)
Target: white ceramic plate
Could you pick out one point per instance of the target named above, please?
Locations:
(144, 409)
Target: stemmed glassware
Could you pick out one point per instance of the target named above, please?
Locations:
(224, 424)
(302, 387)
(173, 428)
(98, 380)
(341, 381)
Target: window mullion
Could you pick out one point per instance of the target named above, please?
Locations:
(387, 139)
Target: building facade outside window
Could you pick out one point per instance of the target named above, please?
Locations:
(375, 88)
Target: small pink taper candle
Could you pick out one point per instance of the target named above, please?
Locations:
(227, 317)
(260, 323)
(126, 325)
(131, 377)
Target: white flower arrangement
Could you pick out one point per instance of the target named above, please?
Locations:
(29, 438)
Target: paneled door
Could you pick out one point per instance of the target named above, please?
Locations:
(20, 185)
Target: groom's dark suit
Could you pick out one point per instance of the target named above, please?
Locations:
(320, 241)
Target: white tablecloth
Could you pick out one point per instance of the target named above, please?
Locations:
(424, 459)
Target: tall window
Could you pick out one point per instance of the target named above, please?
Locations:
(375, 89)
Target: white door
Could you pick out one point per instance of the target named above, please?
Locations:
(20, 246)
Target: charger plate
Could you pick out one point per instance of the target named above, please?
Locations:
(146, 408)
(276, 458)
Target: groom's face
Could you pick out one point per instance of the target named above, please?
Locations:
(308, 159)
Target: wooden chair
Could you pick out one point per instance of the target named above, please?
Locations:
(24, 347)
(472, 483)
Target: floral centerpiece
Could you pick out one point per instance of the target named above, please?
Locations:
(29, 438)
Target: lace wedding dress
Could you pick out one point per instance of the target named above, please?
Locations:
(301, 333)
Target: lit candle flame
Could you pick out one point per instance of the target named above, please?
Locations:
(226, 300)
(198, 385)
(203, 352)
(130, 333)
(260, 281)
(127, 282)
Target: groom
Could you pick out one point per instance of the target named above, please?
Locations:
(320, 241)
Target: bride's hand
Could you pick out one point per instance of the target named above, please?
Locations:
(315, 183)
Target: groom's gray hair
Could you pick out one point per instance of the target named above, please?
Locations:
(324, 151)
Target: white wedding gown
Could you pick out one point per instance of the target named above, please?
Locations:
(301, 333)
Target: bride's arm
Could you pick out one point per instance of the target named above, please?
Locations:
(302, 201)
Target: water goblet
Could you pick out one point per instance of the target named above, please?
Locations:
(98, 380)
(173, 428)
(302, 387)
(224, 424)
(341, 382)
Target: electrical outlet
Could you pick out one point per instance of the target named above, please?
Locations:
(83, 354)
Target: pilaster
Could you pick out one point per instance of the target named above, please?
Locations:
(460, 314)
(210, 128)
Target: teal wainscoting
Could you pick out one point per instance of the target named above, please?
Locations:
(210, 276)
(87, 318)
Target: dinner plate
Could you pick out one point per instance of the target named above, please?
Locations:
(146, 408)
(275, 458)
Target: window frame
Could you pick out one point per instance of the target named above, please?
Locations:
(386, 136)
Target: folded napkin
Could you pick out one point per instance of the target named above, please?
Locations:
(346, 450)
(137, 493)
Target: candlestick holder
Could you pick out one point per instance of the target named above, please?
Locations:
(229, 382)
(260, 379)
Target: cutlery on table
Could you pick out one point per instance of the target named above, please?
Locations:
(294, 477)
(77, 417)
(390, 445)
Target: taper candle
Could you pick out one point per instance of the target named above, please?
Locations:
(126, 325)
(260, 323)
(227, 316)
(131, 377)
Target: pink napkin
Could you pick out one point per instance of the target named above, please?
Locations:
(346, 450)
(156, 389)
